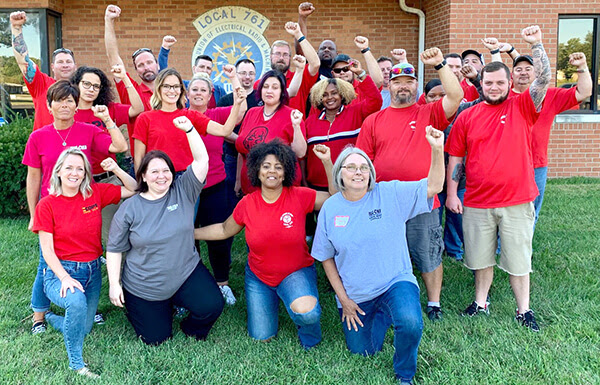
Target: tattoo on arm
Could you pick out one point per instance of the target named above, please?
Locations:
(31, 68)
(19, 44)
(541, 64)
(458, 172)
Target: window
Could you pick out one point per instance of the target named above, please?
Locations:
(579, 33)
(42, 33)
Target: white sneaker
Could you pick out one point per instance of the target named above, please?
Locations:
(87, 373)
(227, 295)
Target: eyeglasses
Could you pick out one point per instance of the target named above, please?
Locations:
(342, 69)
(405, 70)
(244, 74)
(173, 87)
(139, 51)
(364, 168)
(279, 54)
(87, 85)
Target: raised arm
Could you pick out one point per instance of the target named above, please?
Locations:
(119, 144)
(165, 49)
(584, 80)
(110, 37)
(136, 107)
(399, 55)
(199, 153)
(454, 93)
(322, 152)
(299, 62)
(304, 11)
(435, 178)
(510, 50)
(493, 45)
(309, 52)
(129, 184)
(298, 142)
(362, 43)
(469, 72)
(26, 65)
(239, 102)
(541, 64)
(218, 231)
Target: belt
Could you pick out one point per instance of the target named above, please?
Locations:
(104, 175)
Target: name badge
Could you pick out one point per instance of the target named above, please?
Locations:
(341, 220)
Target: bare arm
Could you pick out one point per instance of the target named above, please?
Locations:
(493, 45)
(435, 178)
(298, 142)
(541, 64)
(139, 152)
(129, 184)
(67, 283)
(218, 231)
(455, 171)
(294, 86)
(197, 147)
(454, 93)
(136, 107)
(362, 43)
(323, 152)
(32, 189)
(304, 11)
(307, 49)
(26, 65)
(110, 37)
(350, 309)
(113, 269)
(584, 79)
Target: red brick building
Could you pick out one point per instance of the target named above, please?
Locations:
(452, 25)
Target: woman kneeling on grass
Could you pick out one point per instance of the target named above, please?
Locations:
(361, 241)
(69, 223)
(279, 265)
(162, 267)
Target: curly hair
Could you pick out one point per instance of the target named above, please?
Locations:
(284, 154)
(345, 89)
(105, 95)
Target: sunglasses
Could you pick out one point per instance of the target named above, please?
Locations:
(342, 69)
(139, 51)
(405, 70)
(62, 50)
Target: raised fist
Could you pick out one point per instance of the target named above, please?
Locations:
(112, 12)
(293, 29)
(17, 19)
(399, 55)
(490, 43)
(168, 42)
(361, 42)
(101, 112)
(306, 9)
(296, 117)
(577, 59)
(299, 62)
(229, 71)
(532, 35)
(469, 72)
(322, 152)
(183, 123)
(118, 71)
(432, 56)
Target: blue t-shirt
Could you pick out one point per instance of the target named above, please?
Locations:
(386, 97)
(367, 238)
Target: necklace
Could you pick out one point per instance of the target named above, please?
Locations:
(64, 140)
(268, 115)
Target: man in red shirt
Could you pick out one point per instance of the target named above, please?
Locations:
(62, 66)
(475, 59)
(394, 139)
(500, 186)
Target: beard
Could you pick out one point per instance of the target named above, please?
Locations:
(495, 102)
(411, 97)
(149, 76)
(281, 67)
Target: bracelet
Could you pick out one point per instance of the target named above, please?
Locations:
(365, 50)
(362, 74)
(512, 48)
(190, 130)
(111, 127)
(582, 71)
(495, 51)
(301, 39)
(129, 86)
(441, 65)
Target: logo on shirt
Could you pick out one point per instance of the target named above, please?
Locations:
(341, 220)
(287, 219)
(256, 136)
(503, 119)
(375, 214)
(81, 147)
(173, 207)
(90, 208)
(413, 125)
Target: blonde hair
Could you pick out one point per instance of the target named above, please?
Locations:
(156, 99)
(55, 183)
(281, 43)
(345, 89)
(204, 77)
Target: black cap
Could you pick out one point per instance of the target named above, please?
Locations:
(472, 52)
(341, 58)
(521, 58)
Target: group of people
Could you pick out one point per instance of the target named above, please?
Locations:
(358, 149)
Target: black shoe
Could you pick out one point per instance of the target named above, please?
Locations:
(527, 319)
(475, 309)
(434, 313)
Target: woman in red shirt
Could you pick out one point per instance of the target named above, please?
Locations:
(273, 120)
(69, 224)
(279, 264)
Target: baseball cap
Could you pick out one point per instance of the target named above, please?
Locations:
(472, 52)
(402, 69)
(521, 58)
(341, 58)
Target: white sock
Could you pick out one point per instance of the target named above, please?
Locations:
(436, 304)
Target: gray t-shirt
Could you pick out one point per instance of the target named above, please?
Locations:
(367, 238)
(158, 237)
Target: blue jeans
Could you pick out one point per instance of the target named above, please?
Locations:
(453, 233)
(541, 175)
(263, 305)
(80, 307)
(39, 302)
(400, 307)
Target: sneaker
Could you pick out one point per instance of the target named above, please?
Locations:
(38, 327)
(434, 313)
(180, 312)
(99, 319)
(475, 309)
(527, 319)
(87, 373)
(227, 295)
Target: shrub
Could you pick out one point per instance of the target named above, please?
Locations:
(13, 174)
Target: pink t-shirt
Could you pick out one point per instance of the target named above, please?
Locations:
(45, 145)
(214, 146)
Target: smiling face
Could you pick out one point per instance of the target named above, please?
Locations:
(92, 82)
(355, 181)
(63, 109)
(332, 100)
(63, 66)
(71, 174)
(386, 67)
(495, 86)
(271, 172)
(246, 73)
(403, 90)
(158, 176)
(170, 91)
(146, 66)
(345, 73)
(271, 92)
(523, 74)
(199, 94)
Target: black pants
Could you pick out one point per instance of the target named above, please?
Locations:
(153, 320)
(215, 208)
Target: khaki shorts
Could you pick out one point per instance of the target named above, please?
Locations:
(514, 224)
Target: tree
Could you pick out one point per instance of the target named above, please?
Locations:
(573, 45)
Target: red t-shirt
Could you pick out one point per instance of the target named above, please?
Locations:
(298, 102)
(118, 112)
(394, 139)
(275, 232)
(76, 223)
(255, 129)
(497, 139)
(343, 131)
(44, 146)
(556, 101)
(38, 88)
(469, 90)
(214, 147)
(145, 94)
(156, 130)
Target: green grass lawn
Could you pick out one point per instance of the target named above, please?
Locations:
(565, 295)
